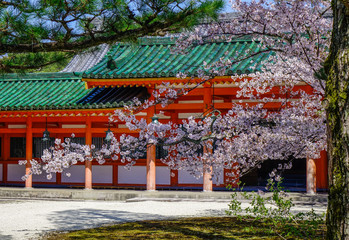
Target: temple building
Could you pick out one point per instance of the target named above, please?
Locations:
(80, 99)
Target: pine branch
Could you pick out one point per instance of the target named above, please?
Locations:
(68, 25)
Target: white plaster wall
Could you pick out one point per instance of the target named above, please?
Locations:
(184, 177)
(1, 172)
(163, 176)
(77, 174)
(102, 174)
(73, 125)
(17, 126)
(136, 175)
(43, 178)
(220, 178)
(15, 172)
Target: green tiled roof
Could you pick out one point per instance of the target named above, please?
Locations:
(50, 91)
(152, 58)
(40, 91)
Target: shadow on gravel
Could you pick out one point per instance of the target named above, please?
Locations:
(5, 237)
(214, 212)
(89, 218)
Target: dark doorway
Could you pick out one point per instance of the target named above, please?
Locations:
(292, 178)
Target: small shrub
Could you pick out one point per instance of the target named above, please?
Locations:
(274, 208)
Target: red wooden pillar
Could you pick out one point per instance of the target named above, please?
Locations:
(6, 155)
(88, 164)
(58, 175)
(322, 171)
(29, 152)
(311, 176)
(207, 176)
(174, 173)
(151, 168)
(151, 152)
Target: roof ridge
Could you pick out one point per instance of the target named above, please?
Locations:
(41, 76)
(158, 40)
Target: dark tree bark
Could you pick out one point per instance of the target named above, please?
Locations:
(337, 96)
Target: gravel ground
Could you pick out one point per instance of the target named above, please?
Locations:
(26, 219)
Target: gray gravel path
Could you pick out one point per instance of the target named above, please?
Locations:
(26, 219)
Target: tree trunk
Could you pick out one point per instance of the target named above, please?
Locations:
(337, 96)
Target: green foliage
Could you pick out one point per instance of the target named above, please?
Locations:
(35, 62)
(275, 209)
(42, 26)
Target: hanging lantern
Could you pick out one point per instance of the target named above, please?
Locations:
(46, 134)
(155, 119)
(108, 135)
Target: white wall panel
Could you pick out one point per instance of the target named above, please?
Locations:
(186, 115)
(77, 174)
(163, 175)
(136, 175)
(220, 178)
(1, 168)
(17, 126)
(15, 172)
(73, 125)
(184, 177)
(43, 178)
(102, 174)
